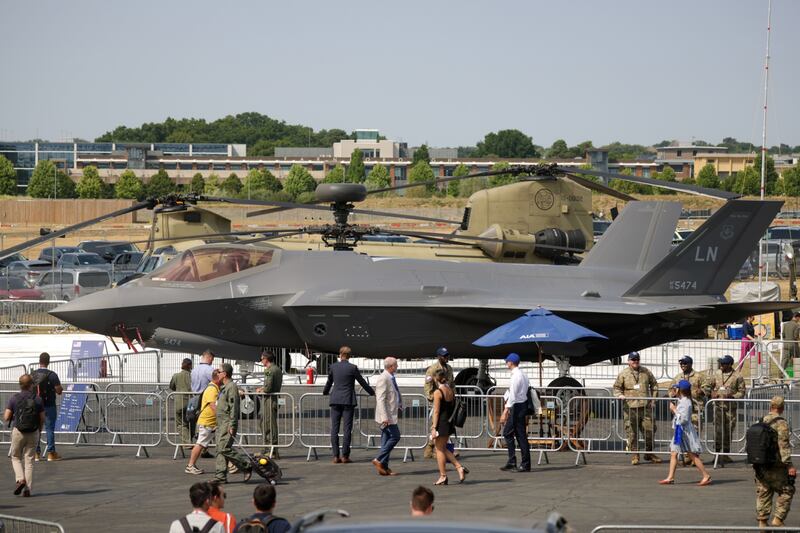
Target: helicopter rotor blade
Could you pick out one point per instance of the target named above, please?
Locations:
(599, 187)
(210, 236)
(148, 204)
(271, 237)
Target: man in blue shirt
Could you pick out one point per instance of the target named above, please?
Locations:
(201, 374)
(264, 502)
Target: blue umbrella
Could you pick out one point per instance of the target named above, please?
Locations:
(537, 325)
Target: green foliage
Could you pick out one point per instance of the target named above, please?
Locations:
(668, 174)
(378, 178)
(559, 149)
(501, 179)
(232, 185)
(41, 182)
(466, 151)
(770, 175)
(299, 181)
(748, 182)
(336, 175)
(198, 185)
(129, 186)
(421, 172)
(421, 154)
(8, 176)
(260, 179)
(90, 184)
(618, 151)
(355, 171)
(212, 184)
(791, 181)
(506, 143)
(629, 187)
(587, 166)
(737, 147)
(454, 187)
(470, 186)
(160, 185)
(707, 177)
(306, 197)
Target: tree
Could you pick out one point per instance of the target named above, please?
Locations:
(272, 183)
(378, 178)
(470, 186)
(198, 185)
(41, 182)
(421, 154)
(90, 185)
(748, 182)
(212, 184)
(506, 143)
(629, 187)
(668, 174)
(420, 172)
(355, 171)
(336, 175)
(770, 176)
(707, 177)
(298, 181)
(558, 150)
(8, 176)
(501, 179)
(791, 181)
(129, 186)
(160, 185)
(453, 187)
(232, 185)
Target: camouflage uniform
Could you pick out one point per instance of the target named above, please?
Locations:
(774, 479)
(730, 385)
(429, 388)
(273, 380)
(637, 414)
(701, 389)
(227, 419)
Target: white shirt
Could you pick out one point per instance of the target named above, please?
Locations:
(517, 389)
(196, 519)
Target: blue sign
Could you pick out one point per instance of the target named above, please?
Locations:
(72, 405)
(86, 356)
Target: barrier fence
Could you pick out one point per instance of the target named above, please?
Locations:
(18, 524)
(17, 315)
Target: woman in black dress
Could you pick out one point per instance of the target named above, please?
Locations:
(444, 401)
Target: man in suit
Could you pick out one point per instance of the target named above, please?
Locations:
(342, 376)
(388, 403)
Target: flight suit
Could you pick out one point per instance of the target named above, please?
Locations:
(730, 385)
(181, 382)
(637, 415)
(429, 388)
(273, 380)
(227, 419)
(790, 349)
(774, 479)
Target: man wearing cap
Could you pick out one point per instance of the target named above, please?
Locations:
(273, 380)
(514, 416)
(777, 478)
(725, 383)
(227, 425)
(442, 356)
(790, 334)
(700, 391)
(181, 383)
(635, 382)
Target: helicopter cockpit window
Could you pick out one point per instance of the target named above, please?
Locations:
(204, 264)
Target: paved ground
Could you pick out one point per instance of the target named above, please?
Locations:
(97, 485)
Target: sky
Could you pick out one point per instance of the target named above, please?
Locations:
(444, 73)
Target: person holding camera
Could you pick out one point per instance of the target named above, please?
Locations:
(444, 403)
(514, 416)
(777, 478)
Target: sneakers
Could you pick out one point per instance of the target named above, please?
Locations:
(192, 469)
(53, 456)
(232, 468)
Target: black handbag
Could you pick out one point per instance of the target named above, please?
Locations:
(530, 405)
(459, 415)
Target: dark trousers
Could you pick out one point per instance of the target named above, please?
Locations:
(514, 430)
(390, 436)
(339, 412)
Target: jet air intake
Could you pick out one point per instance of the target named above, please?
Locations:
(549, 243)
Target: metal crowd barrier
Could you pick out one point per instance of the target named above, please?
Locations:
(314, 423)
(12, 373)
(676, 529)
(18, 315)
(106, 367)
(413, 423)
(19, 524)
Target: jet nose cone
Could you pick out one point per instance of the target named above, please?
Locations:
(93, 312)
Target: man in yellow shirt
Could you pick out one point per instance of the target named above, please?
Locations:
(206, 422)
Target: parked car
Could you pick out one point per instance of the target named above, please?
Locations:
(80, 260)
(125, 264)
(108, 250)
(30, 270)
(67, 284)
(14, 288)
(782, 233)
(599, 227)
(47, 253)
(147, 265)
(11, 258)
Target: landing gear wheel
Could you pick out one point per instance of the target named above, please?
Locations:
(565, 389)
(469, 378)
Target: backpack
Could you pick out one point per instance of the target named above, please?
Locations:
(194, 529)
(44, 388)
(459, 415)
(254, 525)
(192, 409)
(26, 416)
(762, 444)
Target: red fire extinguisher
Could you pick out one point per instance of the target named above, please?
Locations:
(310, 378)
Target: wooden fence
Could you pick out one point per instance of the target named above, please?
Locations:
(60, 212)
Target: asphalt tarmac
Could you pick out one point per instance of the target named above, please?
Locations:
(113, 490)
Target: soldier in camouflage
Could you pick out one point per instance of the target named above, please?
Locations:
(227, 425)
(725, 383)
(273, 380)
(777, 478)
(700, 391)
(634, 382)
(442, 356)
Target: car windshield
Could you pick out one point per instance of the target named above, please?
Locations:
(600, 226)
(89, 259)
(783, 233)
(204, 264)
(13, 283)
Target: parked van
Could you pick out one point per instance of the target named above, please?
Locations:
(70, 284)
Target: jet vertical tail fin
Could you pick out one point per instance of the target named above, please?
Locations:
(638, 239)
(707, 262)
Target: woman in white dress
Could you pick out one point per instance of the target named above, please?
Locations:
(685, 439)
